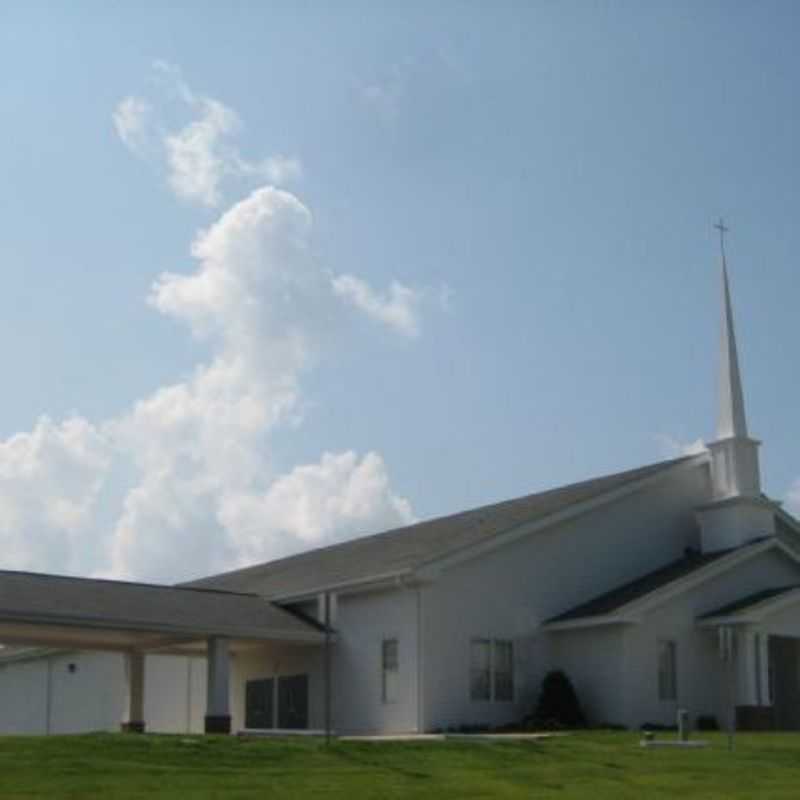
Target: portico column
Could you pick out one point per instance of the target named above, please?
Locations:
(218, 716)
(134, 666)
(747, 683)
(753, 709)
(763, 661)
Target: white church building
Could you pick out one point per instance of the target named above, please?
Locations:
(675, 585)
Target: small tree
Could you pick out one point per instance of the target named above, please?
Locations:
(558, 703)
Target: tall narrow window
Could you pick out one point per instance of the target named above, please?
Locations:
(480, 685)
(667, 678)
(391, 670)
(503, 670)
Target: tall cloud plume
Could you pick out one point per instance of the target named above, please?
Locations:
(198, 156)
(181, 483)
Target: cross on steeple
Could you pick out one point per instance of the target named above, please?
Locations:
(721, 227)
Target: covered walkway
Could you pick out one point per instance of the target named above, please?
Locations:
(136, 619)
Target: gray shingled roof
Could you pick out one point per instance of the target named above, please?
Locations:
(59, 600)
(613, 601)
(403, 549)
(749, 601)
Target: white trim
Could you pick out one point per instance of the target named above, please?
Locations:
(385, 580)
(633, 611)
(589, 622)
(756, 612)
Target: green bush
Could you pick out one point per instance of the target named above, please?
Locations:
(558, 705)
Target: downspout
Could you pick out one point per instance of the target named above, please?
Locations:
(420, 671)
(188, 694)
(49, 697)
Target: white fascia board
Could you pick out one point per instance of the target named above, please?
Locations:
(632, 612)
(714, 622)
(712, 570)
(431, 569)
(387, 580)
(786, 517)
(757, 612)
(590, 622)
(31, 653)
(136, 627)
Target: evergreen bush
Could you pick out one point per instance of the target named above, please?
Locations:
(558, 705)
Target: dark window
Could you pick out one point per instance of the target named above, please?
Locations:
(293, 702)
(259, 704)
(390, 671)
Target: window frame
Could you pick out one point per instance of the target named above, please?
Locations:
(390, 670)
(496, 685)
(667, 675)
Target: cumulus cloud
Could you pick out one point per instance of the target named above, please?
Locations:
(182, 483)
(398, 308)
(675, 448)
(314, 504)
(194, 490)
(132, 121)
(50, 479)
(198, 156)
(793, 499)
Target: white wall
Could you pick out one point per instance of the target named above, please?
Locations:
(91, 697)
(701, 683)
(23, 699)
(594, 659)
(363, 621)
(274, 660)
(43, 695)
(175, 693)
(507, 593)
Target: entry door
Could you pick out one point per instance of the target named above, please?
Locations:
(293, 702)
(259, 704)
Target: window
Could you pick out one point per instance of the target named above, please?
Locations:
(491, 670)
(667, 680)
(480, 686)
(503, 671)
(390, 667)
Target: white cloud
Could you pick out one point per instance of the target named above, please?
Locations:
(196, 162)
(793, 499)
(198, 156)
(398, 308)
(50, 480)
(131, 121)
(315, 504)
(675, 448)
(182, 482)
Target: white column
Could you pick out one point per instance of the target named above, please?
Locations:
(134, 667)
(218, 716)
(747, 681)
(763, 654)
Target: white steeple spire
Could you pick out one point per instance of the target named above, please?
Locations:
(737, 512)
(731, 420)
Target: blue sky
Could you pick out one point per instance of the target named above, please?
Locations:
(488, 267)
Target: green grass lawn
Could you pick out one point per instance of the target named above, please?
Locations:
(583, 765)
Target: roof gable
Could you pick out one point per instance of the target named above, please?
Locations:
(402, 550)
(625, 603)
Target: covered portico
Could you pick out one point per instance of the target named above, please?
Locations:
(758, 639)
(137, 619)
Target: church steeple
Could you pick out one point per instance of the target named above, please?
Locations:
(737, 511)
(731, 420)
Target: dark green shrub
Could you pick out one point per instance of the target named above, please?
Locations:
(558, 705)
